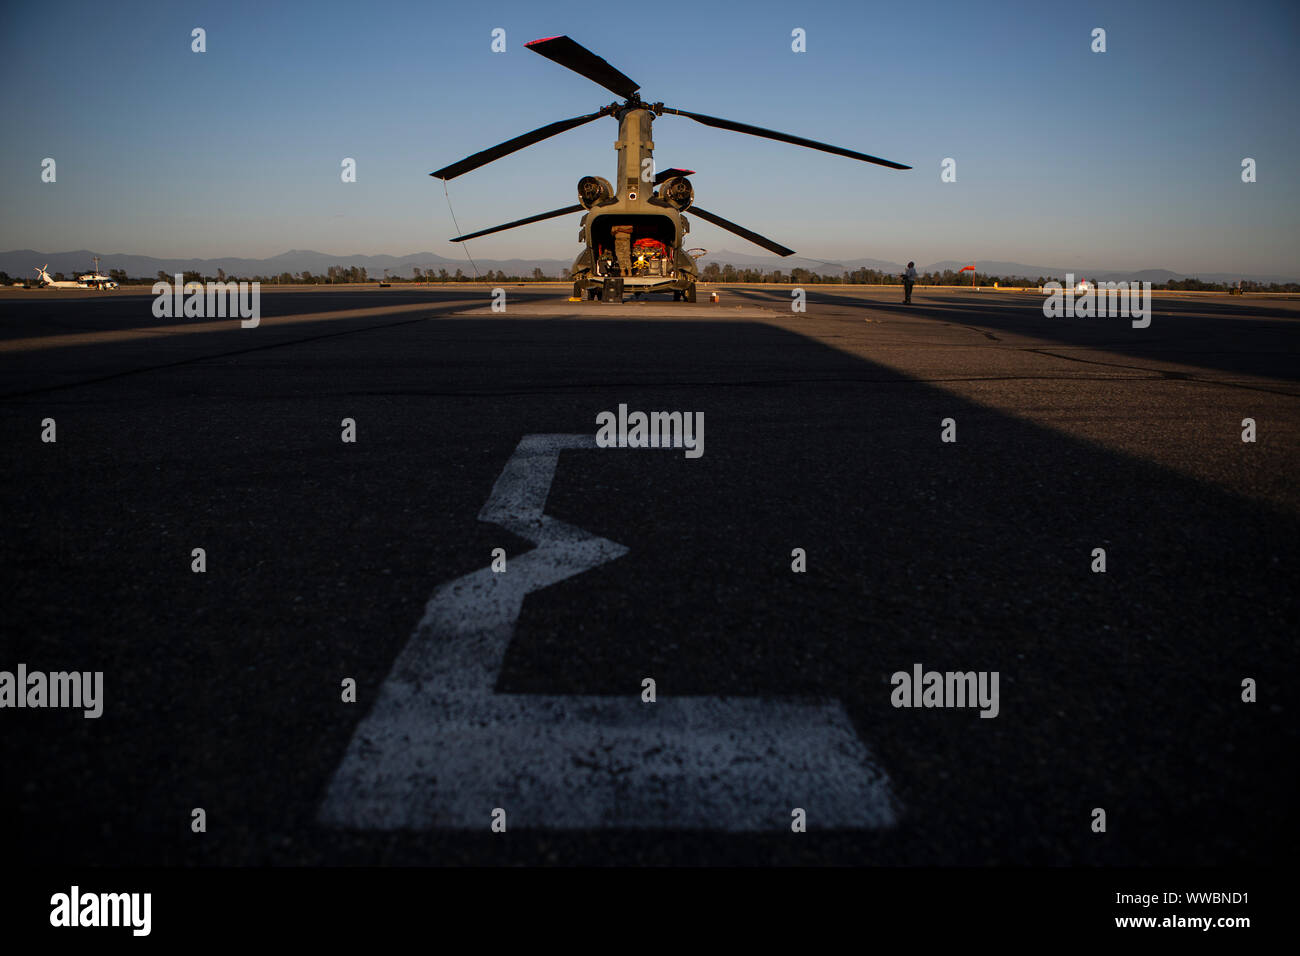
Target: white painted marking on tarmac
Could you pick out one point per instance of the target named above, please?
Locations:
(441, 748)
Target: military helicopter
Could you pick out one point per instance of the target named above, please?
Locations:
(633, 232)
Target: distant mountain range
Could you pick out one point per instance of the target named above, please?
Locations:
(20, 263)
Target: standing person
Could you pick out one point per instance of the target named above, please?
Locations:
(909, 280)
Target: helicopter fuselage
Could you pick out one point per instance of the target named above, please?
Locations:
(633, 236)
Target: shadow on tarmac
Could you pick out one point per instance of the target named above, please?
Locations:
(1118, 690)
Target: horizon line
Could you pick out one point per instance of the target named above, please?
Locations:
(775, 260)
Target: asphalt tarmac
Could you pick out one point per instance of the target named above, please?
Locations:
(1119, 690)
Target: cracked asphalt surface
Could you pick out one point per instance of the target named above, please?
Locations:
(1119, 690)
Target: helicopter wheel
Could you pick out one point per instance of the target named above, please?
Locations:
(677, 296)
(689, 294)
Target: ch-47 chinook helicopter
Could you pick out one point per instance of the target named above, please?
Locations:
(633, 232)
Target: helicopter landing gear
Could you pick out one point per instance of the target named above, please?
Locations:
(612, 291)
(677, 296)
(689, 294)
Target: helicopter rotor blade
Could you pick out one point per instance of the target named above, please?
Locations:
(782, 137)
(672, 173)
(521, 222)
(741, 231)
(514, 145)
(572, 54)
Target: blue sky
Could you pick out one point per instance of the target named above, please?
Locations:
(1125, 159)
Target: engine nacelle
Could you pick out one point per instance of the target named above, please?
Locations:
(593, 190)
(677, 192)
